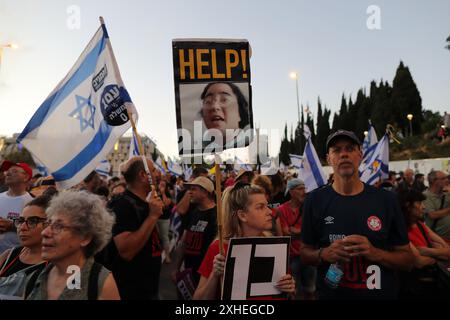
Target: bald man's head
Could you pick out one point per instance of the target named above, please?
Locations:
(132, 169)
(408, 175)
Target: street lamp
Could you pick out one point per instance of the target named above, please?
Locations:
(366, 133)
(9, 46)
(409, 117)
(294, 75)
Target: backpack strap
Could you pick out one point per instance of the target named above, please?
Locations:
(93, 281)
(12, 257)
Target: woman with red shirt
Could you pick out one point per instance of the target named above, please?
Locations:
(245, 214)
(427, 246)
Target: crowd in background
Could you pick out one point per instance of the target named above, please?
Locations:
(119, 224)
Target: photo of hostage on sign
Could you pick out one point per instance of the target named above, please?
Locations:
(213, 95)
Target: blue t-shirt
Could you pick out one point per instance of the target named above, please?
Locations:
(373, 213)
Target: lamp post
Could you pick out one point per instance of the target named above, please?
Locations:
(3, 46)
(409, 117)
(294, 76)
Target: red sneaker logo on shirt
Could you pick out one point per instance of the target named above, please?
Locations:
(374, 223)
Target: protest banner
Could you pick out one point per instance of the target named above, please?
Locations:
(212, 95)
(253, 266)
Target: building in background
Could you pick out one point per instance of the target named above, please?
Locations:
(10, 149)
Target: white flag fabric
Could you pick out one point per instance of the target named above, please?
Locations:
(40, 167)
(369, 145)
(378, 167)
(83, 117)
(174, 168)
(311, 171)
(103, 168)
(269, 168)
(187, 171)
(239, 164)
(296, 161)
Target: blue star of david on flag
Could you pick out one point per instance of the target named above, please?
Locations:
(84, 112)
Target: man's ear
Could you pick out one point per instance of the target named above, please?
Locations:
(241, 215)
(328, 159)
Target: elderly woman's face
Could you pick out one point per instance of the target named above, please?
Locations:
(220, 108)
(60, 239)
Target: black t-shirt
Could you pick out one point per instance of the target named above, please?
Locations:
(13, 264)
(167, 211)
(373, 213)
(185, 218)
(199, 234)
(138, 278)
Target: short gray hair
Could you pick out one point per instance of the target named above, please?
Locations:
(88, 214)
(432, 177)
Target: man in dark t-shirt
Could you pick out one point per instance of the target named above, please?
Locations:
(137, 266)
(202, 227)
(354, 227)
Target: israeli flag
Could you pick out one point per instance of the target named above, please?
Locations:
(269, 168)
(296, 160)
(103, 168)
(174, 168)
(134, 149)
(175, 227)
(40, 167)
(187, 171)
(378, 167)
(159, 165)
(83, 117)
(369, 145)
(239, 164)
(311, 171)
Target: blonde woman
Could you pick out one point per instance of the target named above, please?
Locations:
(245, 214)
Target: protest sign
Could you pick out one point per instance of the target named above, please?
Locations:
(212, 95)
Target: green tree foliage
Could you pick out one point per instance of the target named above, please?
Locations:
(383, 105)
(406, 99)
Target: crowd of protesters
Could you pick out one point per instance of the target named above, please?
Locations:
(116, 230)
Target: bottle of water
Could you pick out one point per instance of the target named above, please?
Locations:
(334, 275)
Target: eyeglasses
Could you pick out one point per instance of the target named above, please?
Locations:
(16, 170)
(31, 222)
(58, 227)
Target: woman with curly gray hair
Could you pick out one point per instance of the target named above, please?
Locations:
(78, 227)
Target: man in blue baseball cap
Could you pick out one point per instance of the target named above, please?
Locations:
(290, 214)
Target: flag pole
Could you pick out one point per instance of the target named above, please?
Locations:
(129, 114)
(218, 176)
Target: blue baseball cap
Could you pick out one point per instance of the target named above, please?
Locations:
(292, 184)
